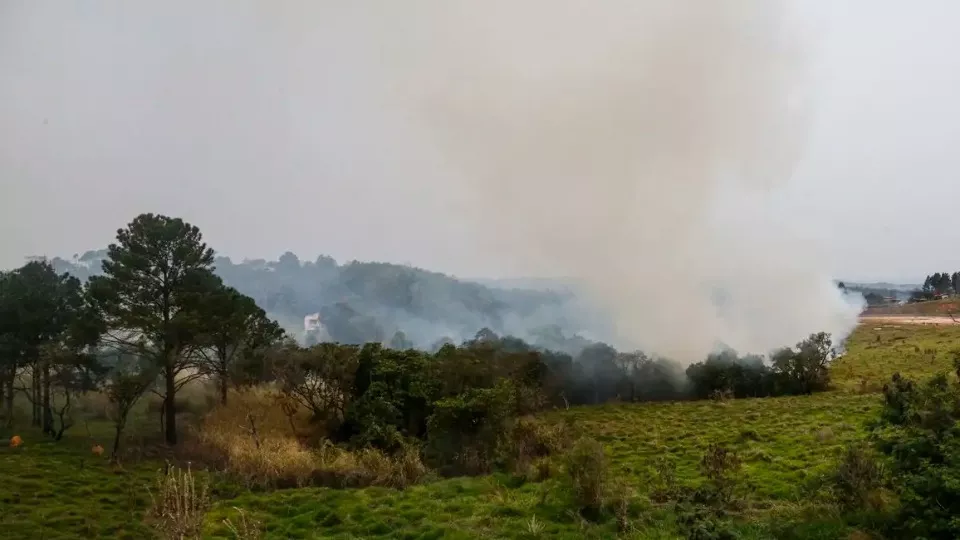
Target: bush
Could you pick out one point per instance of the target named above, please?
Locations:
(720, 466)
(529, 440)
(919, 429)
(858, 477)
(369, 467)
(252, 439)
(466, 432)
(587, 465)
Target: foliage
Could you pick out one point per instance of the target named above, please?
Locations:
(46, 327)
(234, 330)
(128, 379)
(393, 398)
(586, 465)
(859, 477)
(919, 429)
(467, 432)
(154, 278)
(791, 372)
(321, 379)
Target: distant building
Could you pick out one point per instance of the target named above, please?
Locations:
(311, 323)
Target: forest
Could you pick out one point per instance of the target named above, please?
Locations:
(361, 302)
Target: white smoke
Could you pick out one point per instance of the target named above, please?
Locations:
(631, 146)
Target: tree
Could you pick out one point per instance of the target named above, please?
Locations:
(321, 379)
(234, 326)
(154, 277)
(805, 370)
(72, 373)
(127, 381)
(40, 310)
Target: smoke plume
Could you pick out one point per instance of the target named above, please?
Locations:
(632, 147)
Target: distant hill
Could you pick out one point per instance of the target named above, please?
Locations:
(905, 287)
(382, 302)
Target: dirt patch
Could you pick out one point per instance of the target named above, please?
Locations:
(907, 319)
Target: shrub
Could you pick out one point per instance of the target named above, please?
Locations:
(369, 467)
(178, 506)
(251, 438)
(858, 477)
(586, 465)
(919, 429)
(530, 439)
(720, 466)
(466, 432)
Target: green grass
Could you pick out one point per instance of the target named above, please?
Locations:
(876, 351)
(59, 490)
(786, 444)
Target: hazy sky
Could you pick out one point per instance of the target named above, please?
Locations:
(272, 125)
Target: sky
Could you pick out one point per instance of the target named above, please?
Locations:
(284, 125)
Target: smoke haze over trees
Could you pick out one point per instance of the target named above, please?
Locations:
(361, 302)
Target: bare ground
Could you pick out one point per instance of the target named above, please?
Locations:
(908, 319)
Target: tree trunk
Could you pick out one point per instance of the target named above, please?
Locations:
(35, 398)
(9, 395)
(170, 406)
(115, 453)
(47, 411)
(223, 389)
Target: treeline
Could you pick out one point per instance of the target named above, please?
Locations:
(157, 318)
(937, 285)
(362, 302)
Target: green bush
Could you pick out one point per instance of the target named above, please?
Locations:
(919, 430)
(587, 466)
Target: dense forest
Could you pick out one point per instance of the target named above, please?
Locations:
(361, 302)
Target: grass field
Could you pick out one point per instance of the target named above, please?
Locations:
(58, 490)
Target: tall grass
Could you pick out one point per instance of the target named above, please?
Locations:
(253, 439)
(177, 504)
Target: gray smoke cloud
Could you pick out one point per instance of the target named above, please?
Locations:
(633, 147)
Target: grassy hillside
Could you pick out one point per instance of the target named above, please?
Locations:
(60, 490)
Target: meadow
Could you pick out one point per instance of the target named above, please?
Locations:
(788, 445)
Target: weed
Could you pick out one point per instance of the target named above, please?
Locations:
(720, 466)
(245, 528)
(178, 506)
(535, 526)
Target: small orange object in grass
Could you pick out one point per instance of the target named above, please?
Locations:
(97, 450)
(15, 441)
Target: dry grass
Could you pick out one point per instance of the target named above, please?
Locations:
(253, 439)
(178, 506)
(245, 527)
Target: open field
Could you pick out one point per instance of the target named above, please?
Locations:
(59, 490)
